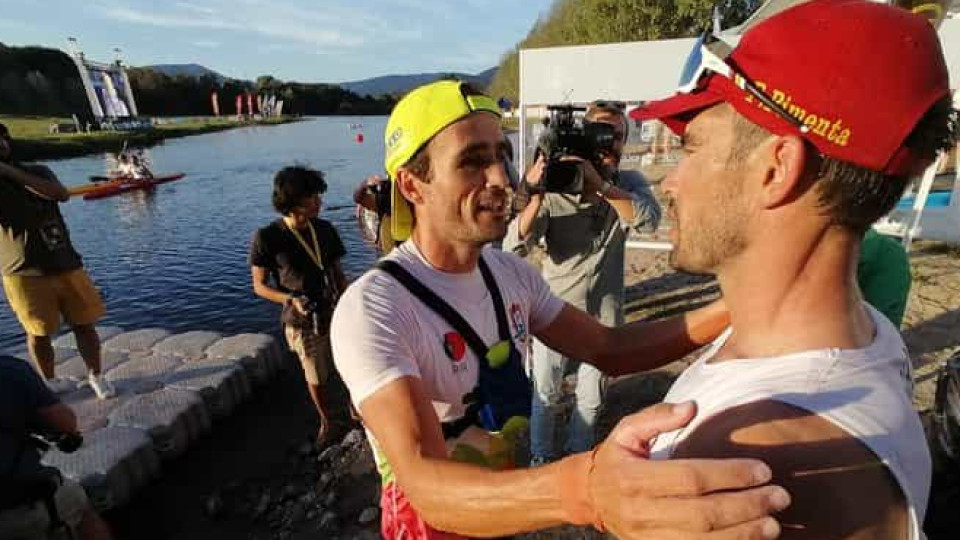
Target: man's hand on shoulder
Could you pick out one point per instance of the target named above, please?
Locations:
(634, 497)
(40, 181)
(840, 489)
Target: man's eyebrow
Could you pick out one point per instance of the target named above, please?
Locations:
(475, 148)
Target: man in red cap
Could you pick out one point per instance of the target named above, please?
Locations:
(794, 144)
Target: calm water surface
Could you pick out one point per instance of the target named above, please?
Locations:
(176, 258)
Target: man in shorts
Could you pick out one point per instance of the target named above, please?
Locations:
(301, 253)
(43, 275)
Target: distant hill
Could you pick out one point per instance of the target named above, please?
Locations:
(399, 84)
(376, 86)
(190, 70)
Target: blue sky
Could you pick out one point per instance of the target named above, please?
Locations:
(302, 40)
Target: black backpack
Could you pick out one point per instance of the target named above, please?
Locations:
(946, 413)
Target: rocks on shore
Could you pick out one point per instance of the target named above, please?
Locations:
(333, 492)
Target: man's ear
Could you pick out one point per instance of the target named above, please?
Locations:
(785, 160)
(411, 187)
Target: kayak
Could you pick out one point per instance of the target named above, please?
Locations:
(93, 186)
(125, 185)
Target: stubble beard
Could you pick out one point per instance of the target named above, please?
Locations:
(707, 242)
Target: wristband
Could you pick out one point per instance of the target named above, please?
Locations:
(573, 489)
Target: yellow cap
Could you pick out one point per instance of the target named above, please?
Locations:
(420, 115)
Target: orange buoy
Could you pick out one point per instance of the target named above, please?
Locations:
(359, 137)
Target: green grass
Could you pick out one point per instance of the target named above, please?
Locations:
(34, 142)
(30, 127)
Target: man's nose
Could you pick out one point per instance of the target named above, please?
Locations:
(497, 176)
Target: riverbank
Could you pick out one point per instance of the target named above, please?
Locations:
(35, 143)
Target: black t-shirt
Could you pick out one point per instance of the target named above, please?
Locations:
(22, 394)
(34, 240)
(275, 248)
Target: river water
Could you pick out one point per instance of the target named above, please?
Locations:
(176, 257)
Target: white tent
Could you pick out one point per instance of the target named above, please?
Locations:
(642, 71)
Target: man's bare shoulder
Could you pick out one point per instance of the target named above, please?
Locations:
(839, 487)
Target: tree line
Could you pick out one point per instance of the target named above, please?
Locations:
(39, 81)
(585, 22)
(158, 94)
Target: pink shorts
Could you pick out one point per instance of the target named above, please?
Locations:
(399, 521)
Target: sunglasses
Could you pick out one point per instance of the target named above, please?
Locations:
(709, 56)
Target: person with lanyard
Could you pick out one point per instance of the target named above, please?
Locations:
(301, 254)
(432, 343)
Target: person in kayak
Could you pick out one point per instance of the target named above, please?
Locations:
(139, 169)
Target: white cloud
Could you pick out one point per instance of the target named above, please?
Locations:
(196, 8)
(206, 44)
(271, 21)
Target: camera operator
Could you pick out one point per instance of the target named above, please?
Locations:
(584, 235)
(302, 254)
(28, 406)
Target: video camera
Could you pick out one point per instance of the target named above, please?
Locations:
(381, 194)
(65, 442)
(570, 135)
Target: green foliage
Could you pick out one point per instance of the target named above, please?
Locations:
(39, 81)
(158, 94)
(583, 22)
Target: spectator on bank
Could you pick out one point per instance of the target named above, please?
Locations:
(27, 405)
(43, 275)
(301, 254)
(883, 274)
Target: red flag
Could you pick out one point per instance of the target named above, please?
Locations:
(239, 101)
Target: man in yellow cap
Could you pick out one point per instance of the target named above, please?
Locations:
(431, 344)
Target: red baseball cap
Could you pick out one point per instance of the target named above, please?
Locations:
(859, 74)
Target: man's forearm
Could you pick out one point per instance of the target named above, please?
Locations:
(622, 202)
(269, 293)
(462, 498)
(529, 215)
(42, 187)
(646, 345)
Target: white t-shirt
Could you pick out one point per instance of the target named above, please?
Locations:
(866, 392)
(381, 332)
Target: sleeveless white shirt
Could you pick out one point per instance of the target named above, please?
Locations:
(866, 392)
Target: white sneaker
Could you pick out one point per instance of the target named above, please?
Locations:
(60, 386)
(103, 388)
